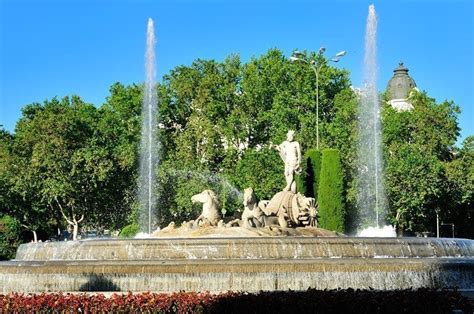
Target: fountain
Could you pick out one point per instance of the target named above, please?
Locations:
(371, 199)
(279, 249)
(149, 145)
(240, 264)
(273, 257)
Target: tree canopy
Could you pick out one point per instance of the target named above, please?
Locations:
(68, 159)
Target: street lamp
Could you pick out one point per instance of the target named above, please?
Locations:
(299, 56)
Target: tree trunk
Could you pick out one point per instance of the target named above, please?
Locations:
(29, 228)
(35, 236)
(74, 222)
(74, 232)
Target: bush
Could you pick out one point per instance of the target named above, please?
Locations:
(330, 192)
(307, 181)
(310, 301)
(342, 301)
(9, 237)
(129, 231)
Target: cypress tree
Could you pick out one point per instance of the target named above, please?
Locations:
(330, 192)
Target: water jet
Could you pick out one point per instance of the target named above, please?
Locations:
(149, 145)
(371, 198)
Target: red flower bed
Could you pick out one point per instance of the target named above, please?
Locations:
(97, 303)
(310, 301)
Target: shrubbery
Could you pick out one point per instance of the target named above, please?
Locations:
(330, 192)
(9, 237)
(129, 231)
(310, 301)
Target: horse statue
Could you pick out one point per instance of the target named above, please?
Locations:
(253, 215)
(210, 209)
(292, 209)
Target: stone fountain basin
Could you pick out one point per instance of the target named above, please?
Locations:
(240, 264)
(245, 248)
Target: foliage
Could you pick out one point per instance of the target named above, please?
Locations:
(217, 122)
(56, 146)
(341, 134)
(17, 189)
(6, 201)
(415, 189)
(129, 231)
(459, 171)
(118, 134)
(221, 117)
(180, 302)
(261, 170)
(71, 160)
(68, 159)
(430, 125)
(330, 193)
(314, 301)
(9, 237)
(418, 148)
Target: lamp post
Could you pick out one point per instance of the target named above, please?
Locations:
(299, 56)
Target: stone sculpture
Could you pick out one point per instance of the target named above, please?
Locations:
(287, 207)
(292, 209)
(210, 208)
(253, 215)
(290, 153)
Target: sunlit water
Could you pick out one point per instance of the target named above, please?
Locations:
(144, 235)
(383, 232)
(371, 198)
(149, 145)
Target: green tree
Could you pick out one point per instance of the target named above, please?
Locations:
(417, 144)
(67, 158)
(60, 166)
(415, 189)
(262, 170)
(117, 138)
(220, 117)
(9, 237)
(25, 186)
(6, 201)
(330, 193)
(459, 205)
(60, 134)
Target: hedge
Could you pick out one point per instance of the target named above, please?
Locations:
(331, 192)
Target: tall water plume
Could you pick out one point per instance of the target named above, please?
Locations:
(371, 198)
(149, 145)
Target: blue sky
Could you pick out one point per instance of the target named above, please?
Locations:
(55, 48)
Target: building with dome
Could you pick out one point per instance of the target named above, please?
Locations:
(399, 88)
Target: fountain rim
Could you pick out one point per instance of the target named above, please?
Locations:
(275, 238)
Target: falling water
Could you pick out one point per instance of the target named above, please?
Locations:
(371, 199)
(149, 145)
